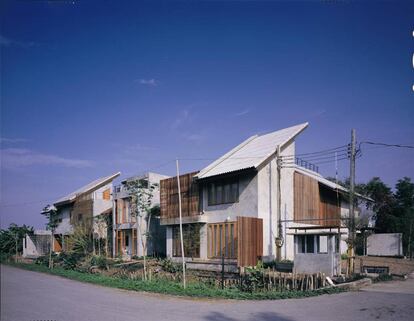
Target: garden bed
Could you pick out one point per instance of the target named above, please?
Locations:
(162, 283)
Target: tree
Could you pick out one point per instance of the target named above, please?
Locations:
(11, 239)
(141, 193)
(51, 213)
(404, 212)
(383, 206)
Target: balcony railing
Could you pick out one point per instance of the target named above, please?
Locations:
(307, 165)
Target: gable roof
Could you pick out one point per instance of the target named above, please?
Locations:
(252, 152)
(87, 188)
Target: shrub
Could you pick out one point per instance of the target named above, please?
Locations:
(99, 261)
(44, 259)
(169, 266)
(252, 280)
(69, 260)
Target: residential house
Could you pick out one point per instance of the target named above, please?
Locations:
(89, 206)
(245, 207)
(128, 236)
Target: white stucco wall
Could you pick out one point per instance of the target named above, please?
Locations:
(246, 206)
(64, 227)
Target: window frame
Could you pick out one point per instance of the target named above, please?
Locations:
(216, 191)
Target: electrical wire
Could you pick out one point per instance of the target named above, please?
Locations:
(386, 145)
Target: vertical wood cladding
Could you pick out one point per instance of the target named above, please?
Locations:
(169, 196)
(315, 203)
(222, 240)
(250, 240)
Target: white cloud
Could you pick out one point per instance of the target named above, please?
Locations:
(183, 117)
(7, 42)
(7, 140)
(149, 82)
(196, 138)
(12, 158)
(242, 113)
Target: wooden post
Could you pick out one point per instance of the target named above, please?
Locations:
(181, 223)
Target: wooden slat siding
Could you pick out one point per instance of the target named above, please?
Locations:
(116, 212)
(250, 240)
(314, 201)
(169, 196)
(117, 245)
(220, 241)
(106, 194)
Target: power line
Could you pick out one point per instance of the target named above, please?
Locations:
(386, 145)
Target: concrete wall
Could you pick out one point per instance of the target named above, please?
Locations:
(64, 227)
(37, 244)
(246, 206)
(397, 266)
(99, 204)
(385, 244)
(328, 263)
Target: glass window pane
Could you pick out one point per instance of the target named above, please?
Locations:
(322, 243)
(310, 248)
(219, 194)
(227, 195)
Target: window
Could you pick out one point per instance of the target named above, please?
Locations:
(223, 191)
(305, 243)
(106, 194)
(322, 244)
(80, 216)
(191, 238)
(222, 240)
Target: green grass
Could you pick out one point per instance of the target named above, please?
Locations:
(172, 288)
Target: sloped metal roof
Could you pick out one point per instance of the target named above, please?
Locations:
(89, 187)
(252, 152)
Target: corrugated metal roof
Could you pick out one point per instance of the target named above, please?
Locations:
(92, 185)
(252, 152)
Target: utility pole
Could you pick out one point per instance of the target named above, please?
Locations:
(351, 243)
(181, 222)
(279, 238)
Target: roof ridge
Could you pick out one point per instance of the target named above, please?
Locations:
(226, 156)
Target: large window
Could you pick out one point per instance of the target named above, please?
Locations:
(191, 238)
(223, 191)
(307, 243)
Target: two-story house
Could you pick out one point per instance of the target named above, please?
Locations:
(129, 231)
(87, 206)
(246, 205)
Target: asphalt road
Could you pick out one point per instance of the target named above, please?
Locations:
(29, 296)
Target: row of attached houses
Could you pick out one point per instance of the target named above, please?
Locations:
(253, 203)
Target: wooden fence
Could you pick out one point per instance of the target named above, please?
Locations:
(250, 240)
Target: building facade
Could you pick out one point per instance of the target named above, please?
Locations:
(252, 204)
(129, 230)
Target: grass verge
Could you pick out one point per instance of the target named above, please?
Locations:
(172, 288)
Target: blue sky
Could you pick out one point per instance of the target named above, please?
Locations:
(91, 88)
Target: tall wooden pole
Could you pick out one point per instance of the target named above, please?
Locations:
(351, 246)
(181, 222)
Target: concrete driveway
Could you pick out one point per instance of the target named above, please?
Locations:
(29, 295)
